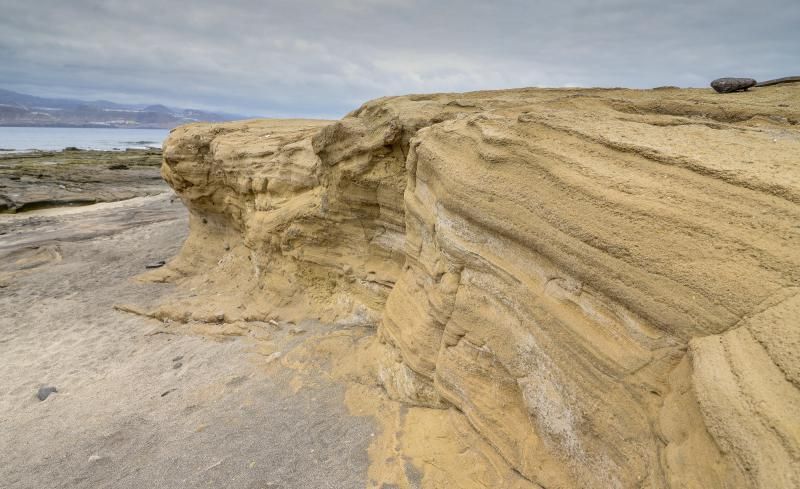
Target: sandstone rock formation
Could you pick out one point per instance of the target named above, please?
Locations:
(605, 282)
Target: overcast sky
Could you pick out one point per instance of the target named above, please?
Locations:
(323, 58)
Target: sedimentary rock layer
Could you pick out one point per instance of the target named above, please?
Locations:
(605, 282)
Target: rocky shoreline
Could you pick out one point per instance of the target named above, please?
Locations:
(47, 179)
(603, 283)
(516, 289)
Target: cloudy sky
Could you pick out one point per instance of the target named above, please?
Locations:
(323, 58)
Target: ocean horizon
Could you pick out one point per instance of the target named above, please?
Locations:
(24, 139)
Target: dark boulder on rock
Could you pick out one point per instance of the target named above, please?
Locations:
(728, 85)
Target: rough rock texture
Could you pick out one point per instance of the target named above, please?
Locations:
(605, 282)
(728, 85)
(46, 179)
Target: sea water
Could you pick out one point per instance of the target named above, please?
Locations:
(18, 139)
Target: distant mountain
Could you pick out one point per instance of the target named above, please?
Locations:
(19, 109)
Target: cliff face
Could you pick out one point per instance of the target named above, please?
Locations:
(605, 282)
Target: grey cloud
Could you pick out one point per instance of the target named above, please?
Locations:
(323, 58)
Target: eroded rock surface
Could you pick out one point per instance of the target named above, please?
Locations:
(605, 282)
(48, 179)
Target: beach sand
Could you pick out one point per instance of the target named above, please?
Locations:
(141, 403)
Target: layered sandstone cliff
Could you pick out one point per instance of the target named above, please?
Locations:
(605, 282)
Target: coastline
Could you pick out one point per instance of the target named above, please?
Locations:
(518, 289)
(43, 179)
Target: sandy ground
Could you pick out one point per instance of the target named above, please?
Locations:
(141, 403)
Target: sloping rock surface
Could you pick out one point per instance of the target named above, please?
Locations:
(605, 282)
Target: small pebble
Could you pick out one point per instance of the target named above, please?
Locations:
(157, 264)
(177, 365)
(44, 392)
(296, 331)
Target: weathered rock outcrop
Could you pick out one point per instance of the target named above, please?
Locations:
(46, 179)
(605, 282)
